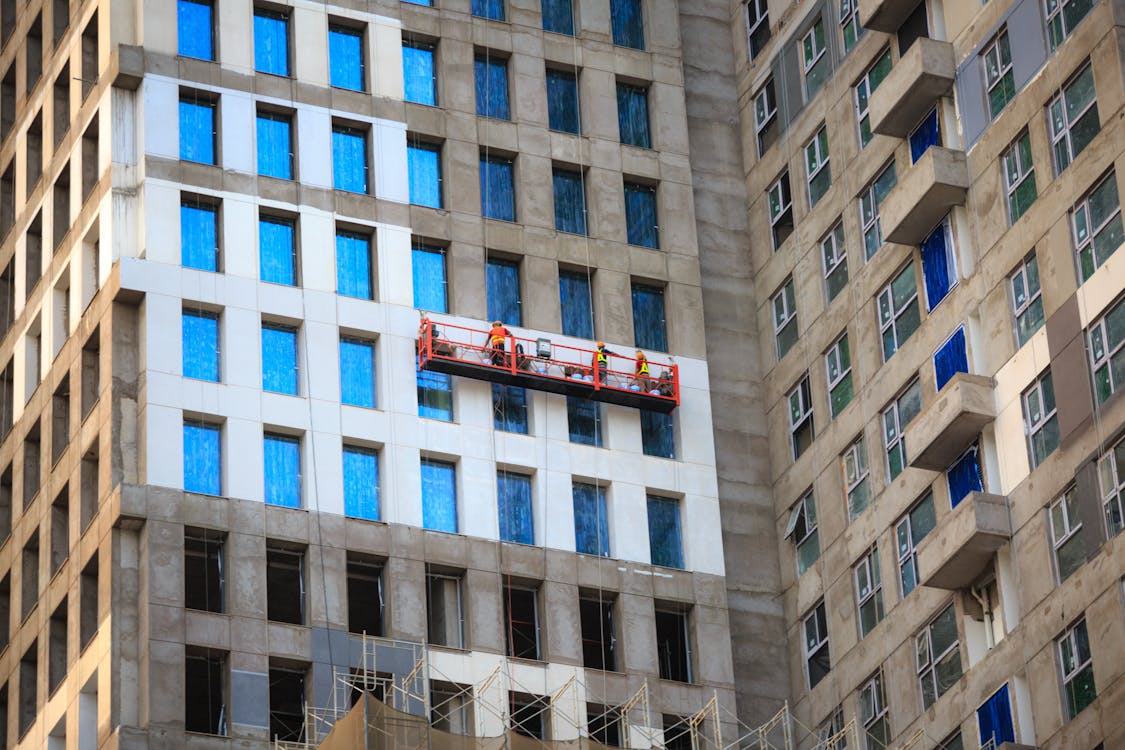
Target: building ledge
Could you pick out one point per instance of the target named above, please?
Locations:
(937, 182)
(924, 74)
(959, 550)
(885, 15)
(950, 423)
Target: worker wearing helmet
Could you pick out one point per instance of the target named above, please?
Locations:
(641, 380)
(496, 338)
(601, 361)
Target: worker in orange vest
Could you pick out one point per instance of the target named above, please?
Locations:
(641, 380)
(496, 338)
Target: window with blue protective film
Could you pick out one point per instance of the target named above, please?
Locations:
(271, 42)
(938, 267)
(513, 496)
(493, 9)
(632, 115)
(197, 129)
(491, 75)
(439, 495)
(279, 359)
(570, 201)
(428, 266)
(649, 330)
(664, 536)
(640, 215)
(418, 73)
(497, 189)
(994, 719)
(562, 101)
(202, 457)
(357, 372)
(591, 520)
(423, 162)
(951, 359)
(275, 145)
(502, 279)
(509, 408)
(353, 265)
(282, 469)
(584, 421)
(349, 159)
(628, 23)
(196, 31)
(576, 303)
(963, 477)
(361, 483)
(201, 345)
(427, 3)
(277, 250)
(435, 395)
(199, 235)
(345, 58)
(558, 16)
(928, 133)
(658, 436)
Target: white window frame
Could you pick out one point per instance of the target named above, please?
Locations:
(1058, 13)
(1064, 135)
(924, 641)
(849, 16)
(789, 308)
(834, 254)
(868, 568)
(873, 224)
(817, 161)
(1058, 514)
(895, 441)
(993, 51)
(1083, 208)
(861, 113)
(802, 392)
(765, 99)
(872, 700)
(1099, 340)
(1023, 171)
(833, 356)
(784, 190)
(855, 455)
(1111, 487)
(910, 554)
(831, 727)
(812, 650)
(1070, 638)
(892, 322)
(817, 54)
(1021, 274)
(761, 9)
(806, 509)
(1033, 428)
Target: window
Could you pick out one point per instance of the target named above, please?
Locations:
(521, 626)
(204, 579)
(1077, 669)
(1097, 226)
(199, 234)
(357, 372)
(201, 345)
(818, 660)
(1066, 534)
(353, 264)
(493, 9)
(1063, 16)
(781, 210)
(832, 728)
(938, 656)
(1111, 479)
(558, 16)
(964, 477)
(899, 316)
(287, 704)
(285, 583)
(584, 420)
(874, 713)
(801, 417)
(492, 86)
(513, 492)
(361, 482)
(599, 635)
(835, 254)
(346, 64)
(856, 484)
(197, 128)
(863, 91)
(849, 24)
(1040, 419)
(194, 19)
(435, 395)
(497, 191)
(419, 78)
(868, 592)
(939, 268)
(658, 434)
(802, 529)
(1073, 117)
(765, 113)
(838, 363)
(641, 227)
(998, 75)
(205, 704)
(562, 101)
(444, 610)
(275, 145)
(570, 201)
(994, 719)
(279, 358)
(628, 23)
(1027, 300)
(439, 495)
(673, 642)
(649, 330)
(869, 202)
(817, 167)
(591, 519)
(909, 533)
(576, 303)
(664, 536)
(1107, 355)
(282, 468)
(814, 59)
(632, 115)
(509, 408)
(503, 290)
(895, 418)
(277, 250)
(349, 158)
(927, 133)
(529, 715)
(365, 595)
(757, 26)
(424, 169)
(428, 266)
(271, 42)
(1019, 177)
(202, 457)
(950, 359)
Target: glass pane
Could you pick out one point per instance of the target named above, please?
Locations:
(271, 42)
(361, 483)
(282, 468)
(276, 251)
(345, 58)
(353, 265)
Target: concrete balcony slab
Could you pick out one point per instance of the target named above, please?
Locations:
(950, 423)
(885, 15)
(959, 550)
(924, 74)
(937, 182)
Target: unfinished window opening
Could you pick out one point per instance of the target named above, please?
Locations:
(205, 694)
(7, 296)
(60, 529)
(61, 207)
(7, 200)
(379, 684)
(7, 90)
(7, 399)
(603, 724)
(61, 102)
(91, 270)
(29, 575)
(204, 580)
(287, 704)
(33, 255)
(88, 604)
(529, 714)
(90, 158)
(677, 732)
(673, 642)
(91, 372)
(34, 152)
(365, 594)
(56, 740)
(88, 495)
(56, 653)
(33, 48)
(445, 609)
(60, 420)
(90, 56)
(60, 319)
(4, 703)
(88, 713)
(450, 707)
(60, 19)
(521, 621)
(599, 637)
(285, 584)
(31, 476)
(5, 503)
(32, 360)
(5, 612)
(29, 680)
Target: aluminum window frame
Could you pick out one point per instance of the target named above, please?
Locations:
(1083, 208)
(765, 112)
(784, 317)
(895, 442)
(817, 164)
(1100, 341)
(1111, 488)
(834, 258)
(1064, 136)
(869, 201)
(805, 510)
(928, 670)
(859, 473)
(849, 20)
(867, 567)
(1013, 156)
(1027, 269)
(908, 553)
(1059, 515)
(1051, 15)
(998, 71)
(1034, 426)
(784, 203)
(1070, 640)
(754, 25)
(892, 321)
(834, 355)
(861, 96)
(809, 45)
(876, 708)
(802, 393)
(816, 615)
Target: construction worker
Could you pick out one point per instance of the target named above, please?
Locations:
(496, 338)
(641, 380)
(601, 361)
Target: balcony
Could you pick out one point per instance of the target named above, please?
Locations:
(943, 430)
(959, 550)
(885, 15)
(909, 91)
(937, 182)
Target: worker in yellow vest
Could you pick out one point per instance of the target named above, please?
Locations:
(601, 361)
(641, 380)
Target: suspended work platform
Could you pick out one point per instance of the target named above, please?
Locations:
(542, 365)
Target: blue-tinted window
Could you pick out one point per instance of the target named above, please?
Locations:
(353, 265)
(570, 201)
(497, 189)
(282, 470)
(349, 159)
(427, 3)
(439, 495)
(196, 28)
(492, 87)
(591, 520)
(513, 495)
(640, 215)
(628, 23)
(275, 145)
(199, 235)
(418, 73)
(584, 421)
(423, 161)
(658, 436)
(562, 101)
(201, 345)
(994, 719)
(493, 9)
(664, 536)
(279, 359)
(938, 268)
(950, 359)
(509, 408)
(648, 318)
(271, 42)
(361, 483)
(197, 129)
(576, 303)
(428, 264)
(928, 133)
(202, 457)
(632, 115)
(345, 58)
(558, 16)
(503, 291)
(435, 395)
(277, 250)
(357, 372)
(963, 477)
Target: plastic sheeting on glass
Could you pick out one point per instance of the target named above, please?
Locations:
(576, 304)
(938, 268)
(591, 520)
(201, 345)
(513, 493)
(497, 191)
(357, 372)
(928, 133)
(640, 215)
(995, 719)
(664, 537)
(428, 264)
(345, 58)
(349, 159)
(275, 157)
(570, 201)
(199, 232)
(435, 395)
(492, 87)
(632, 115)
(951, 358)
(423, 162)
(439, 495)
(196, 30)
(202, 458)
(658, 436)
(493, 9)
(558, 16)
(277, 251)
(361, 483)
(562, 101)
(279, 359)
(648, 318)
(282, 470)
(353, 265)
(963, 477)
(197, 131)
(418, 73)
(502, 278)
(628, 24)
(509, 408)
(584, 420)
(271, 42)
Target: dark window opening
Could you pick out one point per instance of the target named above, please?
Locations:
(60, 19)
(31, 469)
(60, 420)
(7, 88)
(529, 714)
(34, 152)
(33, 47)
(365, 681)
(599, 639)
(287, 704)
(673, 646)
(90, 158)
(89, 486)
(60, 529)
(450, 708)
(91, 354)
(677, 733)
(445, 610)
(365, 595)
(88, 615)
(56, 665)
(603, 724)
(7, 200)
(61, 101)
(521, 616)
(89, 56)
(5, 503)
(285, 585)
(29, 682)
(29, 573)
(5, 611)
(204, 571)
(913, 28)
(61, 212)
(205, 705)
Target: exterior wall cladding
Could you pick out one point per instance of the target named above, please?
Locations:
(877, 237)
